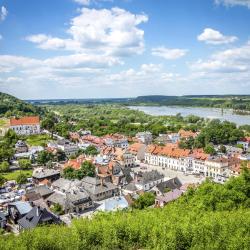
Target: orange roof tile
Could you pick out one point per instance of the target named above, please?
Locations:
(27, 120)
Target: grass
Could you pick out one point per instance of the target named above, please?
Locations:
(13, 175)
(4, 122)
(38, 140)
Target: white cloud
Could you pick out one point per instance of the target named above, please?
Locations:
(3, 13)
(211, 36)
(1, 37)
(231, 3)
(169, 54)
(227, 61)
(83, 2)
(112, 32)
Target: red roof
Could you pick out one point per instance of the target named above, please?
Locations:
(27, 120)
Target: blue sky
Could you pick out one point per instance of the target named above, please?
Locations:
(123, 48)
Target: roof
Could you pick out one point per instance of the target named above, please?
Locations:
(65, 184)
(130, 187)
(170, 196)
(187, 133)
(43, 190)
(38, 216)
(146, 177)
(113, 204)
(44, 173)
(173, 183)
(26, 120)
(22, 206)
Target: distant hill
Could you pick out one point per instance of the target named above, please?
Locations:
(10, 105)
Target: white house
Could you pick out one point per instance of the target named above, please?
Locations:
(26, 125)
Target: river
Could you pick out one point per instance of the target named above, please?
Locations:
(211, 113)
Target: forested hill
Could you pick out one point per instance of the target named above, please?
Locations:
(212, 216)
(10, 105)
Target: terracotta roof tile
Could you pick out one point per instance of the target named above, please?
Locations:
(27, 120)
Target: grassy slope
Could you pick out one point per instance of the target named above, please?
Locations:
(13, 175)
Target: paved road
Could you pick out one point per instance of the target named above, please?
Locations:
(168, 173)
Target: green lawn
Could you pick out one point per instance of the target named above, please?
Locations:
(13, 175)
(38, 140)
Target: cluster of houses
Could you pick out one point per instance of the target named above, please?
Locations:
(120, 174)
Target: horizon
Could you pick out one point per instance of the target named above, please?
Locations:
(115, 49)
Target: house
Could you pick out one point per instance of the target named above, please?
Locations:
(68, 147)
(162, 200)
(163, 139)
(18, 209)
(144, 137)
(21, 147)
(216, 168)
(147, 180)
(98, 189)
(116, 140)
(27, 125)
(38, 216)
(169, 156)
(38, 192)
(174, 137)
(167, 186)
(41, 174)
(113, 204)
(198, 161)
(245, 142)
(138, 150)
(3, 220)
(74, 200)
(185, 134)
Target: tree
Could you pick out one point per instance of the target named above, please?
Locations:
(2, 180)
(69, 173)
(88, 169)
(145, 200)
(43, 157)
(223, 149)
(24, 163)
(49, 123)
(60, 155)
(21, 179)
(91, 150)
(209, 149)
(4, 167)
(57, 209)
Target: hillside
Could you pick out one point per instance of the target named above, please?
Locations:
(10, 105)
(213, 216)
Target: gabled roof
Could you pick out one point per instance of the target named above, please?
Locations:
(38, 216)
(27, 120)
(173, 183)
(22, 206)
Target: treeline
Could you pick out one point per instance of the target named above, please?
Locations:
(12, 106)
(212, 216)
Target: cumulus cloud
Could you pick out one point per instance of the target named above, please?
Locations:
(227, 61)
(113, 32)
(83, 2)
(168, 54)
(211, 36)
(231, 3)
(3, 13)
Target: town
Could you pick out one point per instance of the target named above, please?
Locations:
(84, 174)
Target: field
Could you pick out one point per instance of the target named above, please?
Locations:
(13, 175)
(38, 140)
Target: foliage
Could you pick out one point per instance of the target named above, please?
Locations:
(57, 209)
(91, 150)
(209, 149)
(11, 106)
(87, 169)
(2, 180)
(43, 157)
(49, 123)
(37, 140)
(24, 163)
(21, 178)
(145, 200)
(4, 167)
(212, 216)
(14, 174)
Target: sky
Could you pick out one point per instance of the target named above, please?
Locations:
(124, 48)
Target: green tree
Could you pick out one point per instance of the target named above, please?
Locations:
(209, 149)
(4, 167)
(2, 180)
(69, 173)
(24, 163)
(43, 157)
(49, 123)
(57, 209)
(87, 169)
(91, 150)
(21, 179)
(145, 200)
